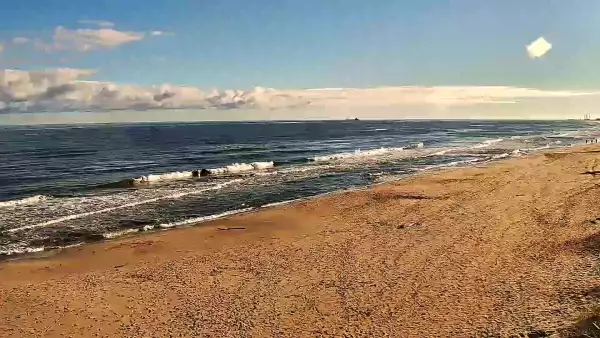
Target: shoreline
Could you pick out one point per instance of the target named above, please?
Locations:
(488, 248)
(71, 207)
(43, 252)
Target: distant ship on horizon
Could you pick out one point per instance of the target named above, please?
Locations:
(588, 117)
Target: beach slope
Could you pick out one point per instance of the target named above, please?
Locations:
(488, 251)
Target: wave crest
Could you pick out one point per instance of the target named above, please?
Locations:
(241, 167)
(487, 143)
(178, 175)
(23, 201)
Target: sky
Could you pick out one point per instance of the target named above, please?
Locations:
(60, 55)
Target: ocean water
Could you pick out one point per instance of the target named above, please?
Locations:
(67, 185)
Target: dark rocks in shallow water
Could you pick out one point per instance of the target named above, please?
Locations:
(200, 173)
(70, 238)
(127, 183)
(94, 238)
(134, 223)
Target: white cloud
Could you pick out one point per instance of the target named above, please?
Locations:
(84, 40)
(416, 95)
(20, 40)
(64, 89)
(90, 39)
(160, 33)
(100, 23)
(87, 39)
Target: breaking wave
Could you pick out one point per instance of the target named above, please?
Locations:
(28, 200)
(241, 167)
(487, 143)
(179, 175)
(21, 250)
(234, 168)
(13, 250)
(356, 154)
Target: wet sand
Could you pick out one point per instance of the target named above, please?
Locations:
(490, 251)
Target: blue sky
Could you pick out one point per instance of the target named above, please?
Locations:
(205, 58)
(325, 43)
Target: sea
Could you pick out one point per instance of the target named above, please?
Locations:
(65, 185)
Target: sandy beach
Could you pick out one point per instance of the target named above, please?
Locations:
(504, 249)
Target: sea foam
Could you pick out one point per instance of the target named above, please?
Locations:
(28, 200)
(127, 205)
(356, 154)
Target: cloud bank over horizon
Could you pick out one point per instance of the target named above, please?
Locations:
(66, 89)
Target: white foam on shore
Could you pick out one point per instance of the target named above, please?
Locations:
(120, 233)
(450, 164)
(356, 154)
(127, 205)
(501, 156)
(27, 250)
(24, 201)
(547, 146)
(266, 173)
(515, 153)
(197, 219)
(165, 226)
(443, 152)
(487, 143)
(275, 204)
(20, 251)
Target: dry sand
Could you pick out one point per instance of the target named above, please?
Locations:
(477, 252)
